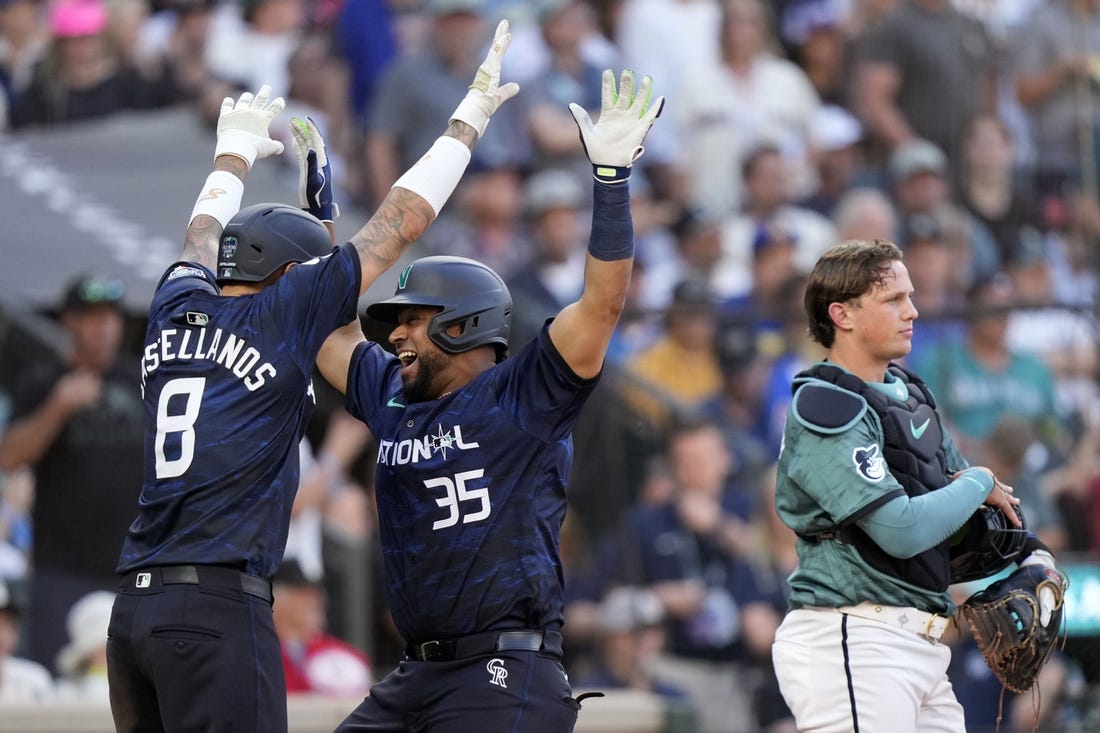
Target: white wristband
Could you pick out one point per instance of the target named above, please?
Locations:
(435, 176)
(220, 198)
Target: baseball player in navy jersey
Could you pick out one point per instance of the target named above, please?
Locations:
(475, 451)
(876, 491)
(234, 330)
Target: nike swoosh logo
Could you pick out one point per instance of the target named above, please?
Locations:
(917, 432)
(395, 403)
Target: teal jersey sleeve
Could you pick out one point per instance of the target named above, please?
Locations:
(832, 479)
(906, 526)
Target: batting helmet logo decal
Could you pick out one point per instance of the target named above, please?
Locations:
(403, 278)
(869, 463)
(498, 672)
(228, 251)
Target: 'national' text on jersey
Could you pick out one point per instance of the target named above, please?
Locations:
(413, 450)
(235, 354)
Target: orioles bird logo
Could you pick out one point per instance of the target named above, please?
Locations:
(869, 463)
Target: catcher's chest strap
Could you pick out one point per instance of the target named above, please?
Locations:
(929, 625)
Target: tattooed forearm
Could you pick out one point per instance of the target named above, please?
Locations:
(200, 243)
(462, 132)
(399, 221)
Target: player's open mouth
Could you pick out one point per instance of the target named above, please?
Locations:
(406, 357)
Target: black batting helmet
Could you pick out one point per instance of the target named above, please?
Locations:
(988, 544)
(262, 238)
(468, 292)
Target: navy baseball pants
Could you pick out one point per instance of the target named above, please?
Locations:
(193, 648)
(510, 691)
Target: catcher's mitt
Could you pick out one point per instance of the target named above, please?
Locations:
(1006, 620)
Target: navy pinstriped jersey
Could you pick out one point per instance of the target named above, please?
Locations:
(471, 491)
(227, 391)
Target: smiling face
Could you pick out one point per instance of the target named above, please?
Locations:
(423, 364)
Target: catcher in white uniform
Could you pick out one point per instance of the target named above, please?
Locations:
(887, 513)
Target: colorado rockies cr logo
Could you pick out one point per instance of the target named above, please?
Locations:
(498, 672)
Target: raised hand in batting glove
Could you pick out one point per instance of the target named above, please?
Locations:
(614, 142)
(243, 124)
(314, 170)
(486, 94)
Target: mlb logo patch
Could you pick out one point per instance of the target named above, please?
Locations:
(143, 580)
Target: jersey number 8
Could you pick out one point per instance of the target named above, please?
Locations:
(191, 388)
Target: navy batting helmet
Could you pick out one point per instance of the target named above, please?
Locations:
(468, 293)
(988, 543)
(262, 238)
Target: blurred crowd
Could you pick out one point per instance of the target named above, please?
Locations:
(963, 130)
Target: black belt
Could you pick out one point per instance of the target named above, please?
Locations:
(200, 575)
(475, 645)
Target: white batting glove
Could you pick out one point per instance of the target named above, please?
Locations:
(614, 142)
(486, 95)
(242, 126)
(1047, 601)
(314, 170)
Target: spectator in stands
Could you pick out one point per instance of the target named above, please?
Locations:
(570, 76)
(981, 379)
(555, 201)
(251, 42)
(314, 661)
(82, 663)
(1056, 82)
(749, 98)
(769, 201)
(79, 424)
(696, 247)
(1063, 336)
(937, 259)
(673, 39)
(921, 183)
(416, 90)
(82, 75)
(631, 636)
(773, 263)
(815, 38)
(21, 680)
(484, 220)
(24, 38)
(739, 407)
(836, 153)
(991, 188)
(1006, 452)
(680, 370)
(921, 73)
(689, 552)
(865, 212)
(177, 34)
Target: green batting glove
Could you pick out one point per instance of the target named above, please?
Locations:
(614, 142)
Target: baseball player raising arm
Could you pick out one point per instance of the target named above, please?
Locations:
(234, 330)
(474, 457)
(877, 493)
